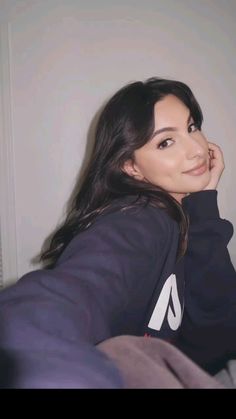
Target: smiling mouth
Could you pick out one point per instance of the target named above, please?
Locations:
(198, 170)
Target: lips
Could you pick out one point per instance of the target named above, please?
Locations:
(197, 170)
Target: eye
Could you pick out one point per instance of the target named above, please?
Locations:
(166, 143)
(194, 126)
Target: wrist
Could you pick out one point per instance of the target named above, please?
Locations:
(201, 205)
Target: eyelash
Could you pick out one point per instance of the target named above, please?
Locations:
(167, 139)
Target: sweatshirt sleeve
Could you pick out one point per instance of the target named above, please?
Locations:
(89, 289)
(208, 330)
(50, 320)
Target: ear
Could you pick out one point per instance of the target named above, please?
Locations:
(132, 170)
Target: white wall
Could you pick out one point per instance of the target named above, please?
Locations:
(67, 57)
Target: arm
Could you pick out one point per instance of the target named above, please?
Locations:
(208, 331)
(208, 328)
(50, 319)
(83, 297)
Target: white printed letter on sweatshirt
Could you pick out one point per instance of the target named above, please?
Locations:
(168, 292)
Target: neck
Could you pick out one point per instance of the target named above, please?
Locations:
(179, 196)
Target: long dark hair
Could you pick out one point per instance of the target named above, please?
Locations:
(125, 124)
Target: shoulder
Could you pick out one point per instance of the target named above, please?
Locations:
(123, 226)
(126, 211)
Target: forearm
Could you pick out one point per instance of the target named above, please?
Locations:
(209, 321)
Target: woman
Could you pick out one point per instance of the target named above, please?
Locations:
(143, 251)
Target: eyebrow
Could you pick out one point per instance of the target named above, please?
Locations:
(159, 131)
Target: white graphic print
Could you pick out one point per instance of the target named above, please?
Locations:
(169, 291)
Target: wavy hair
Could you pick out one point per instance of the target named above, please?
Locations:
(125, 124)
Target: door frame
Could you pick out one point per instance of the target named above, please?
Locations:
(7, 172)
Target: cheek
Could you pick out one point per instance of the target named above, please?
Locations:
(159, 166)
(204, 142)
(156, 167)
(170, 163)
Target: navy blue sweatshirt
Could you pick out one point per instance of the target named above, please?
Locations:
(120, 276)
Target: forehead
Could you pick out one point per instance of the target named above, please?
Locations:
(169, 111)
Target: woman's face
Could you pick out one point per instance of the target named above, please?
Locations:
(172, 157)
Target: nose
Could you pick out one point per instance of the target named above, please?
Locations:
(193, 148)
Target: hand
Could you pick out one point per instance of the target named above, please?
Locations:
(216, 165)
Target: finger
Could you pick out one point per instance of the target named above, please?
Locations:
(216, 157)
(215, 150)
(213, 146)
